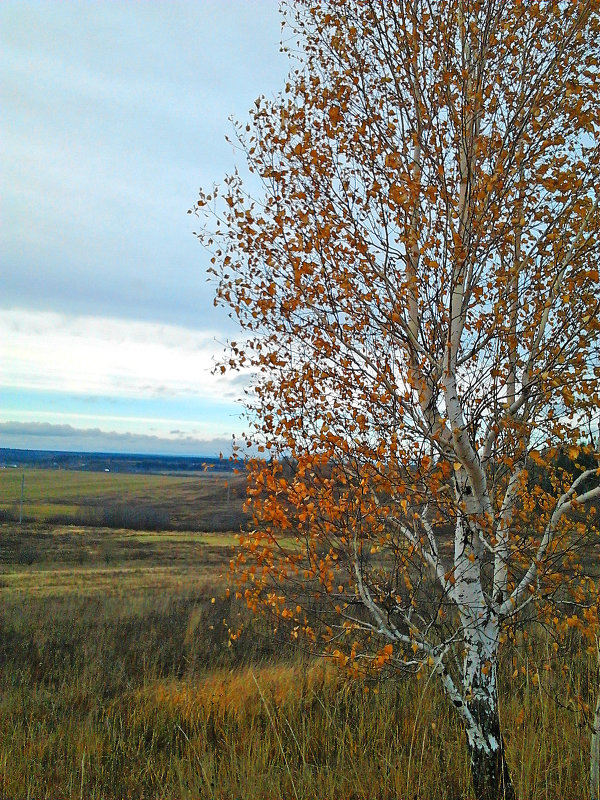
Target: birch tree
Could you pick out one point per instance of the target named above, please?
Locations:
(417, 288)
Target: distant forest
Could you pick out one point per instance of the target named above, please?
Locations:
(113, 462)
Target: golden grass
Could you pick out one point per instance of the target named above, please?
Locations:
(117, 680)
(273, 731)
(63, 560)
(104, 581)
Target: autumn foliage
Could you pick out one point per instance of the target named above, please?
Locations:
(418, 291)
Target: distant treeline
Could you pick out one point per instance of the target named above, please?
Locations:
(113, 462)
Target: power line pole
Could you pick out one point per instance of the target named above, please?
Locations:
(22, 493)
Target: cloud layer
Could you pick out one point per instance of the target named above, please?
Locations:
(114, 115)
(45, 436)
(112, 358)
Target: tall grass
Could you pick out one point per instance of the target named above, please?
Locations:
(118, 680)
(142, 697)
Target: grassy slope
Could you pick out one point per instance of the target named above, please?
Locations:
(116, 680)
(196, 501)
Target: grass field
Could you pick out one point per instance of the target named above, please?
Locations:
(206, 501)
(117, 680)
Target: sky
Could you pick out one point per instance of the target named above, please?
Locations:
(115, 113)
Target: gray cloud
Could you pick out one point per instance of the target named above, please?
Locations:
(114, 115)
(47, 436)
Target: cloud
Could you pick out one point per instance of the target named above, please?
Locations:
(114, 115)
(46, 436)
(43, 429)
(96, 356)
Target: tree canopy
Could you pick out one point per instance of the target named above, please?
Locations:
(418, 292)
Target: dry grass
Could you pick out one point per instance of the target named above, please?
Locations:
(117, 680)
(38, 562)
(276, 730)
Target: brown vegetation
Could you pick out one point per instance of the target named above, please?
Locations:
(118, 679)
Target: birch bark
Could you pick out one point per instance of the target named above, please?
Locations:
(491, 777)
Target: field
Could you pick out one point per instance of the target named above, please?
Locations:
(118, 679)
(206, 501)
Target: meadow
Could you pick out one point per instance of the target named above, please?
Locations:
(118, 678)
(202, 501)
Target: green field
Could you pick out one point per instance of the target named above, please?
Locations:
(118, 679)
(206, 501)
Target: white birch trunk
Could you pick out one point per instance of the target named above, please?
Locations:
(491, 777)
(481, 635)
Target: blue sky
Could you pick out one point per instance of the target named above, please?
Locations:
(114, 114)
